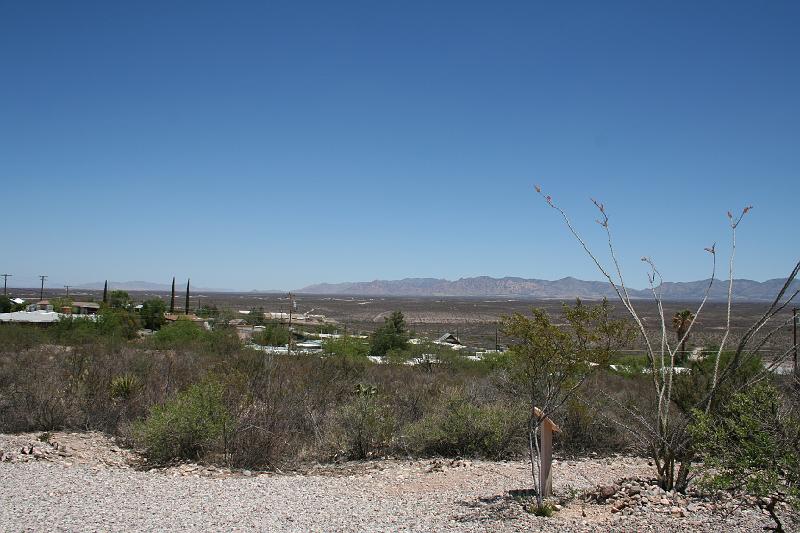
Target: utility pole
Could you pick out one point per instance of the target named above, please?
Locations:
(5, 284)
(41, 291)
(67, 287)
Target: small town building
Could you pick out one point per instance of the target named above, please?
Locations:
(85, 308)
(38, 317)
(41, 305)
(450, 340)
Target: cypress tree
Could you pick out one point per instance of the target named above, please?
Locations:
(105, 292)
(172, 298)
(187, 296)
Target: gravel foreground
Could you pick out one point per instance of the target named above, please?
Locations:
(84, 482)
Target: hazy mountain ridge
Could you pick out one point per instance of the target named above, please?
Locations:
(565, 288)
(180, 286)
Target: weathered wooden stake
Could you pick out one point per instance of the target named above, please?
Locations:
(545, 452)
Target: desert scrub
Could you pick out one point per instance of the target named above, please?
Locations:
(463, 428)
(123, 387)
(186, 426)
(364, 426)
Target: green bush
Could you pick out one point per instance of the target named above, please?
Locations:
(118, 323)
(179, 333)
(185, 427)
(691, 388)
(18, 337)
(152, 313)
(123, 387)
(186, 335)
(463, 428)
(7, 306)
(346, 346)
(108, 324)
(752, 444)
(75, 331)
(273, 335)
(392, 335)
(364, 426)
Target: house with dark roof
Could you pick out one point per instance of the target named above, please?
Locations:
(449, 339)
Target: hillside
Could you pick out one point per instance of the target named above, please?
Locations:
(565, 288)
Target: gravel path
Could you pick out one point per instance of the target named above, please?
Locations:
(71, 495)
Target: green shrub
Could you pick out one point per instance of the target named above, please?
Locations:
(108, 324)
(185, 427)
(364, 426)
(152, 313)
(346, 346)
(690, 388)
(221, 341)
(463, 428)
(545, 510)
(123, 387)
(752, 444)
(18, 337)
(7, 306)
(179, 333)
(273, 335)
(584, 429)
(187, 335)
(75, 331)
(392, 335)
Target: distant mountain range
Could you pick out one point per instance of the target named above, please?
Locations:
(485, 286)
(562, 289)
(180, 286)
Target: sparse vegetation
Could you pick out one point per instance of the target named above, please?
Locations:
(278, 409)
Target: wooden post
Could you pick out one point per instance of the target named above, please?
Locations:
(545, 453)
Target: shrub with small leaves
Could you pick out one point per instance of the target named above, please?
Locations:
(752, 444)
(185, 427)
(461, 427)
(364, 425)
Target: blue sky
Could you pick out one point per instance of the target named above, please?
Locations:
(278, 144)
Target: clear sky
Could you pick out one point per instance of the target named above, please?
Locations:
(277, 144)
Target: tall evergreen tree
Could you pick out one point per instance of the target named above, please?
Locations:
(392, 335)
(105, 292)
(187, 296)
(172, 298)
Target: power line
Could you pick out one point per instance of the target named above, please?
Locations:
(41, 291)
